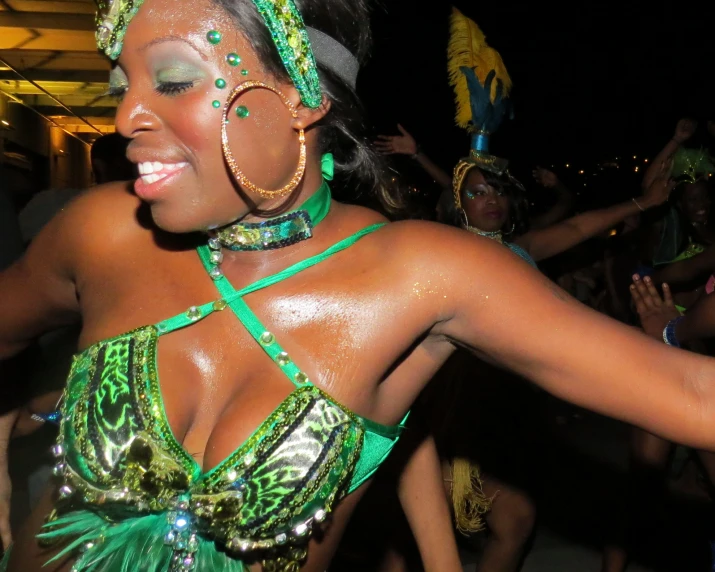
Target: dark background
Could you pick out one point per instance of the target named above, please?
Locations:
(592, 81)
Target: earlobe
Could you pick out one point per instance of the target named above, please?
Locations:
(308, 116)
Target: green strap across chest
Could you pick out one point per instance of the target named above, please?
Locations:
(234, 299)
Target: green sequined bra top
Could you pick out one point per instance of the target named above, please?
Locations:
(133, 499)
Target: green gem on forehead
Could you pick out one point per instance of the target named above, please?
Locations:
(242, 111)
(214, 37)
(244, 72)
(233, 59)
(220, 83)
(216, 103)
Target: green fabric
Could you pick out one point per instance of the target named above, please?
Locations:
(125, 473)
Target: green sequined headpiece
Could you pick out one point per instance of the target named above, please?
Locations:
(692, 165)
(282, 18)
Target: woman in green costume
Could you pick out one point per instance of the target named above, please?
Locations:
(226, 268)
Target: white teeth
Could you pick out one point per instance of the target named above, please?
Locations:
(146, 168)
(152, 178)
(149, 167)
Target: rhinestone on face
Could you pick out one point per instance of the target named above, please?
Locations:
(220, 83)
(219, 305)
(244, 72)
(216, 103)
(267, 338)
(214, 37)
(282, 359)
(233, 59)
(193, 313)
(242, 111)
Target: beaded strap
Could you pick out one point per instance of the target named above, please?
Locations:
(669, 336)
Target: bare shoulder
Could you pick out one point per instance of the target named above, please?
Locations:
(98, 222)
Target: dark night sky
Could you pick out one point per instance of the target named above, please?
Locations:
(592, 81)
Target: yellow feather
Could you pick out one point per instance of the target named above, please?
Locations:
(468, 48)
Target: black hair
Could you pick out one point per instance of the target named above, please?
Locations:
(358, 169)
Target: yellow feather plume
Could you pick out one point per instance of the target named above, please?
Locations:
(468, 48)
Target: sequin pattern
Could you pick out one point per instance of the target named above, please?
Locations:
(116, 453)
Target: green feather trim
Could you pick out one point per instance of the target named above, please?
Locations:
(692, 164)
(129, 545)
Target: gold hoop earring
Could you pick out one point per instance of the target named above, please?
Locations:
(228, 156)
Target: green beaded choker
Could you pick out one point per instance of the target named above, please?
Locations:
(279, 232)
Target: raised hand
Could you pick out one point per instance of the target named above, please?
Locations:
(684, 130)
(545, 177)
(654, 312)
(403, 144)
(660, 187)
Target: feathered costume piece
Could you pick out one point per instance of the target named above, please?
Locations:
(481, 86)
(692, 165)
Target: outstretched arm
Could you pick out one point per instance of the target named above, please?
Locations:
(548, 242)
(686, 270)
(405, 144)
(508, 311)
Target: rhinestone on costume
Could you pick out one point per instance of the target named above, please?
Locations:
(214, 37)
(320, 515)
(242, 111)
(59, 469)
(281, 538)
(214, 243)
(301, 529)
(193, 544)
(193, 313)
(220, 83)
(301, 378)
(188, 562)
(248, 460)
(267, 338)
(65, 491)
(183, 505)
(282, 359)
(215, 273)
(216, 257)
(233, 59)
(170, 537)
(219, 305)
(58, 450)
(181, 522)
